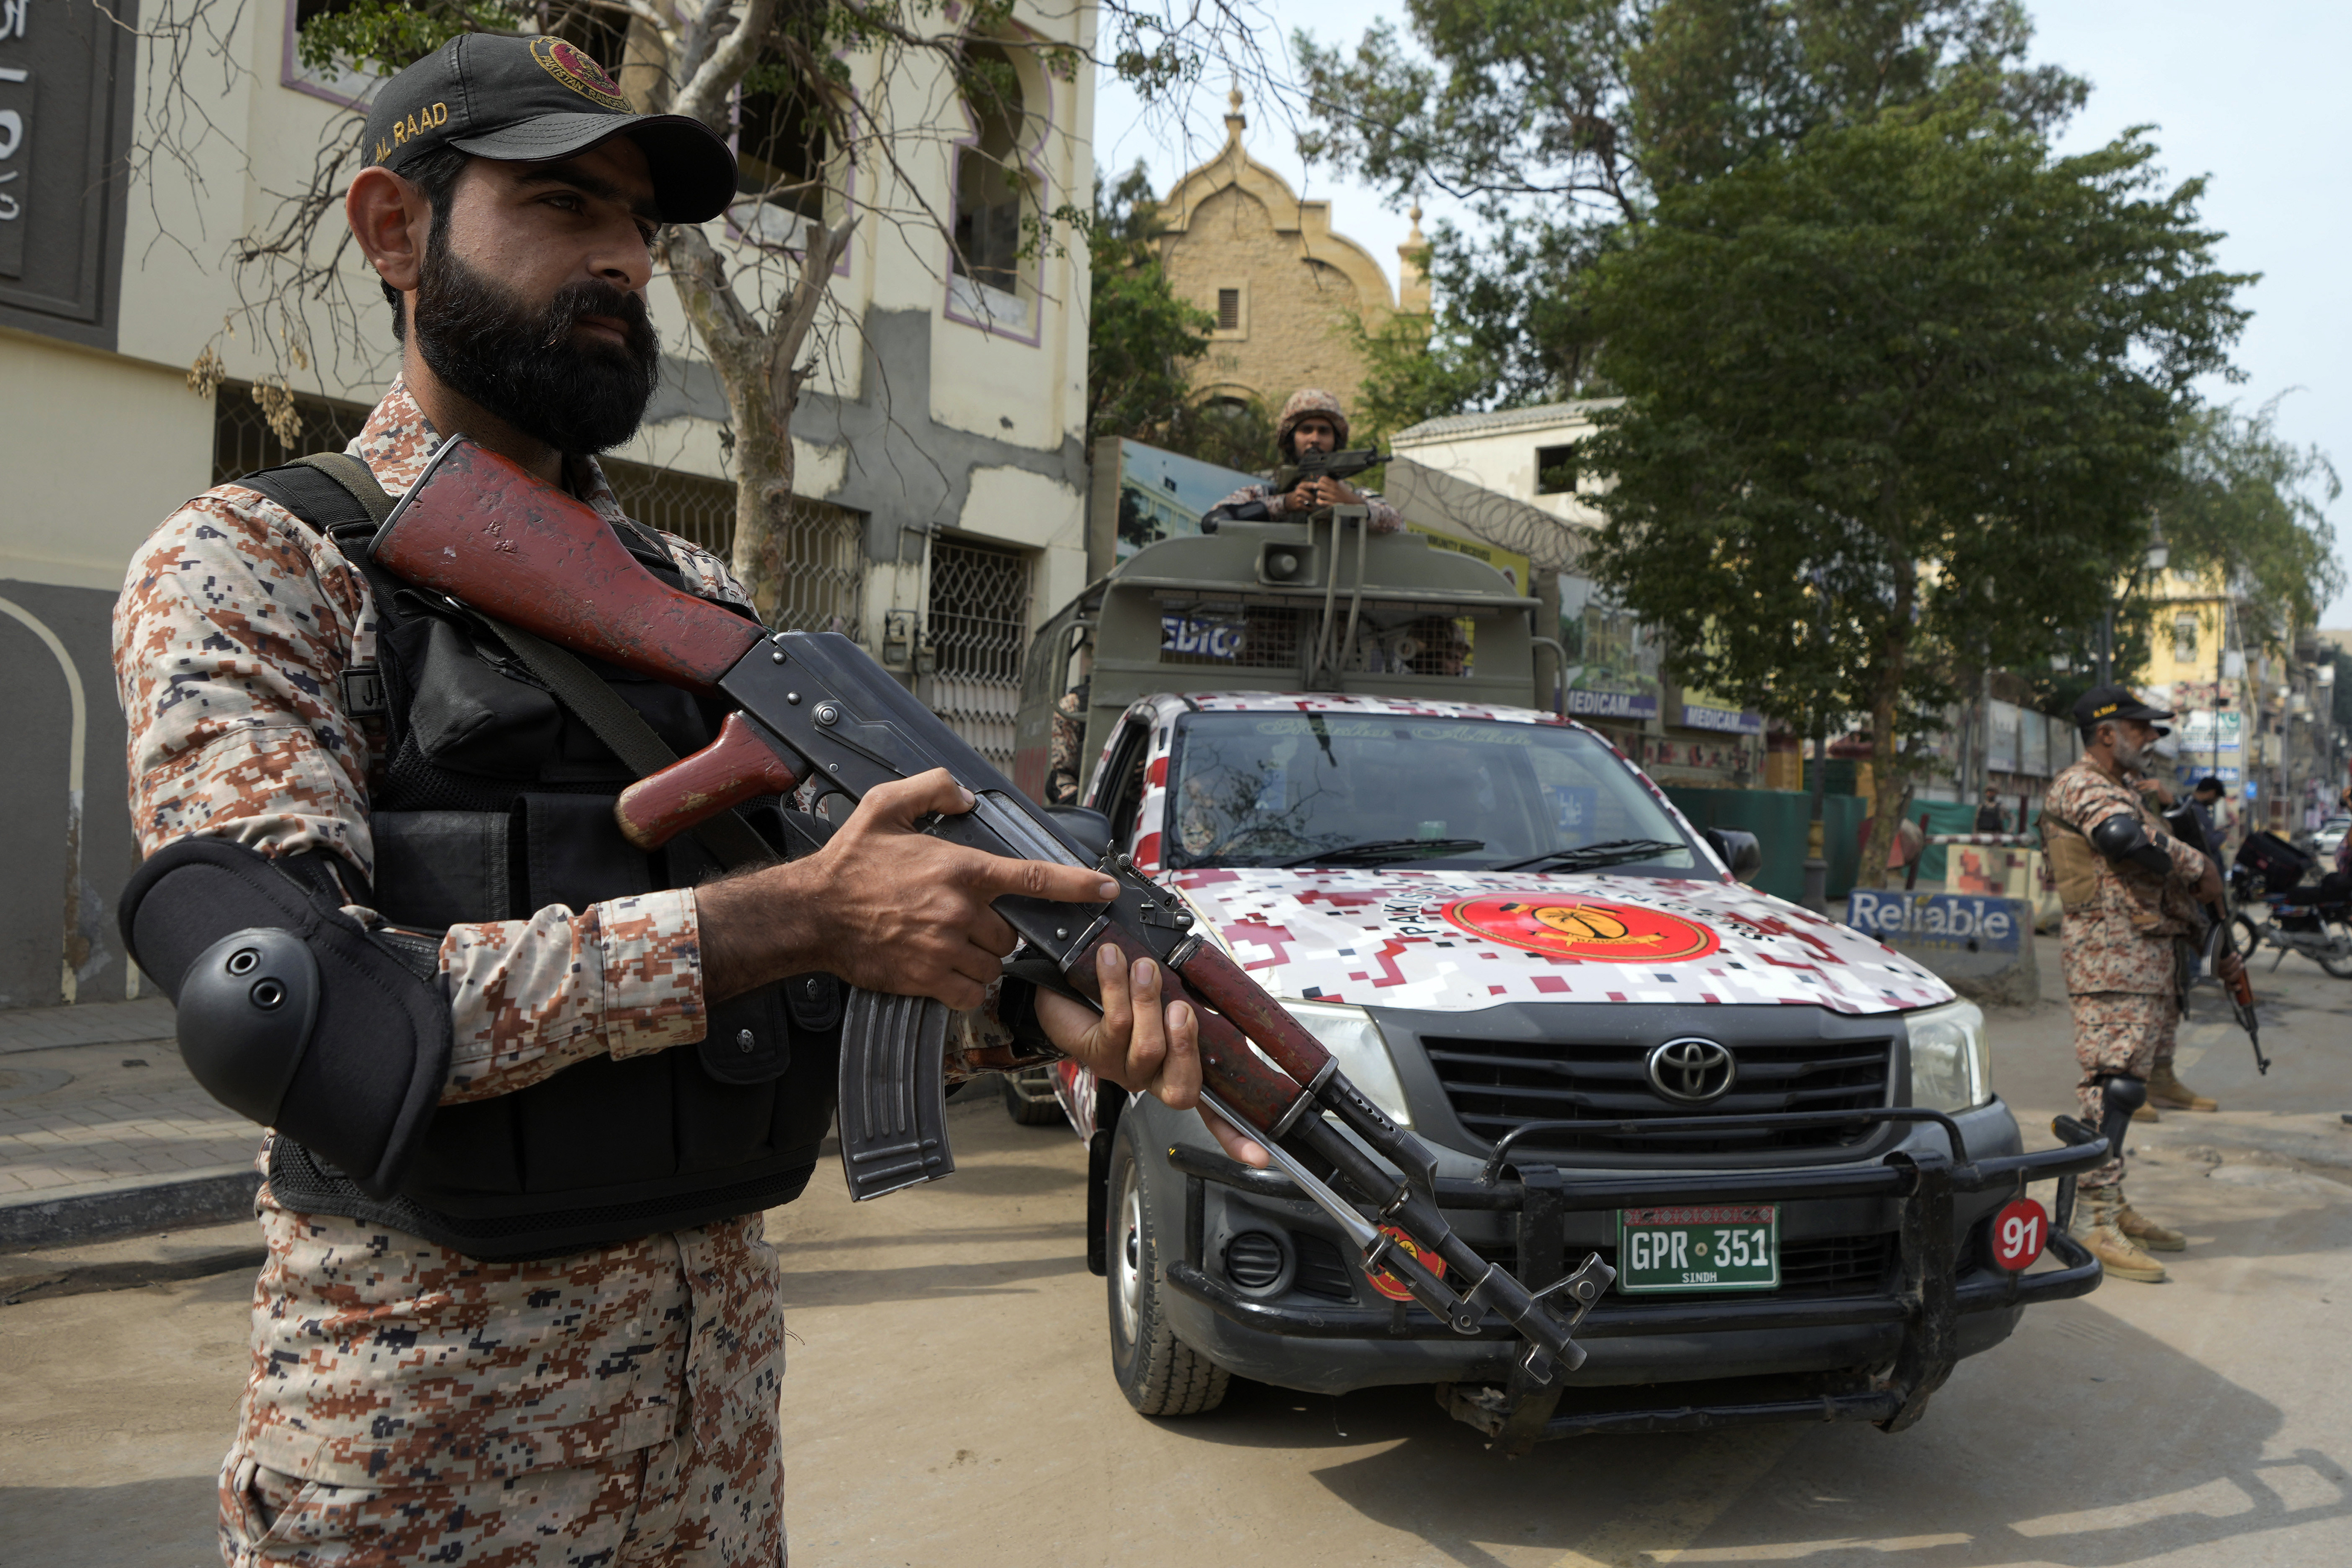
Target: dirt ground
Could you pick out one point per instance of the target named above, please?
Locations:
(950, 1398)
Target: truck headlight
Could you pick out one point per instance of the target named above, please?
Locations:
(1356, 1043)
(1949, 1068)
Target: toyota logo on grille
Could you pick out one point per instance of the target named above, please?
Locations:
(1693, 1070)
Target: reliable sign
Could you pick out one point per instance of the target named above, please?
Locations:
(1928, 922)
(1980, 946)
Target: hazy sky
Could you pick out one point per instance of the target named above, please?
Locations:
(2249, 95)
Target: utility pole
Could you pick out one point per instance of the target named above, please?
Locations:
(1817, 866)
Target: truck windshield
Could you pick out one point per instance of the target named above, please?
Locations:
(1273, 789)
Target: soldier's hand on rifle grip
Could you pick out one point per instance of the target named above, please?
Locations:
(2231, 969)
(883, 905)
(1138, 1043)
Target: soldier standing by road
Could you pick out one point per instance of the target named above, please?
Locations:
(544, 1327)
(2131, 892)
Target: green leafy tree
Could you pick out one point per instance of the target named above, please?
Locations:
(1897, 399)
(1559, 123)
(1140, 337)
(2250, 510)
(1142, 340)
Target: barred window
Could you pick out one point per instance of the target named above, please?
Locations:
(979, 632)
(243, 442)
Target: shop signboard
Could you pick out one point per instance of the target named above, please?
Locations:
(1613, 661)
(1161, 495)
(1726, 721)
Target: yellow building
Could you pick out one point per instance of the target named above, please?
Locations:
(1282, 286)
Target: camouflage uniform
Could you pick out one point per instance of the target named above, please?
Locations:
(2121, 933)
(1384, 518)
(1312, 402)
(622, 1400)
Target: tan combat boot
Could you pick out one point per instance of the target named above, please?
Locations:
(2165, 1085)
(2150, 1236)
(2119, 1254)
(2146, 1113)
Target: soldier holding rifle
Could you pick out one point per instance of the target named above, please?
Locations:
(545, 1327)
(2132, 893)
(1313, 421)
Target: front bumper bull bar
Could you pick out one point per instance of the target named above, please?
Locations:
(1927, 1296)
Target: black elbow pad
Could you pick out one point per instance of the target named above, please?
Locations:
(2124, 837)
(289, 1012)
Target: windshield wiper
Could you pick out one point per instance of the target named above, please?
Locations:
(1591, 856)
(1374, 851)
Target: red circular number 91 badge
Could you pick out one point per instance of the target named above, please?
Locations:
(2020, 1231)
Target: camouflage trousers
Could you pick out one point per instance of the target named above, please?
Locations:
(2118, 1032)
(667, 1506)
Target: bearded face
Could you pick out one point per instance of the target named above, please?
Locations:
(530, 366)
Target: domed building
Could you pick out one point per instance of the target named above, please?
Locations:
(1283, 284)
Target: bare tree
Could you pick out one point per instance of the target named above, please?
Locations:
(757, 300)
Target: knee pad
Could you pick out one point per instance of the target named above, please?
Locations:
(2120, 1094)
(290, 1013)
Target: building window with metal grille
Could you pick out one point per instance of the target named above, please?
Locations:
(2184, 638)
(978, 619)
(1232, 312)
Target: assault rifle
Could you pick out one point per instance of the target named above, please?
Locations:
(483, 531)
(1344, 465)
(2239, 993)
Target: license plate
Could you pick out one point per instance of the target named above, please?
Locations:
(1715, 1247)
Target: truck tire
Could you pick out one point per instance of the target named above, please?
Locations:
(1029, 1097)
(1159, 1374)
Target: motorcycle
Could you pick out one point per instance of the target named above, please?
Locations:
(2292, 920)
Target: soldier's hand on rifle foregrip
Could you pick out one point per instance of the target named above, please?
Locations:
(1138, 1044)
(883, 905)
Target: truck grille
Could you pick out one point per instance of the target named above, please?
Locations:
(1496, 1085)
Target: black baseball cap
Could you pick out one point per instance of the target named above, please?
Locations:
(527, 100)
(2102, 703)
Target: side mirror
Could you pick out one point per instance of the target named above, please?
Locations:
(1736, 849)
(1089, 828)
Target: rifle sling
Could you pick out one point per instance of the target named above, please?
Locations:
(730, 839)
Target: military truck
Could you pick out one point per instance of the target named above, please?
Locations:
(1331, 747)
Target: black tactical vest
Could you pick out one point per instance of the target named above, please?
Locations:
(490, 801)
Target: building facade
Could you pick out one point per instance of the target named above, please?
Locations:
(1283, 286)
(941, 469)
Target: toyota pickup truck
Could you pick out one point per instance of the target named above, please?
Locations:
(1782, 1135)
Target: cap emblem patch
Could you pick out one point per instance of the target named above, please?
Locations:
(578, 72)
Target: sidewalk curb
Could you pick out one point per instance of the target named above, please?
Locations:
(129, 1206)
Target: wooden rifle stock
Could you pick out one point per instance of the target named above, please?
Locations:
(489, 535)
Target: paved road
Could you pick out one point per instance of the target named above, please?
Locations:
(949, 1400)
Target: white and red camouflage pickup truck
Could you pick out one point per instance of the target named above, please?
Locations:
(1780, 1133)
